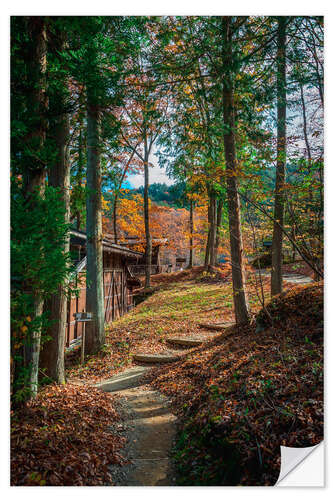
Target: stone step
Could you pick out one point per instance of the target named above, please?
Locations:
(156, 358)
(185, 341)
(127, 379)
(216, 326)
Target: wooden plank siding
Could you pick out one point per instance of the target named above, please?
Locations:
(118, 296)
(76, 304)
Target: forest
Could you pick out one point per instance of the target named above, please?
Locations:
(229, 256)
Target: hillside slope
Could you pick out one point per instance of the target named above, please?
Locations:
(247, 393)
(239, 396)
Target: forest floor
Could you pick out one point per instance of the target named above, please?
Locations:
(229, 403)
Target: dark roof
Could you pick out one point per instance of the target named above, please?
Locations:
(131, 241)
(81, 237)
(135, 240)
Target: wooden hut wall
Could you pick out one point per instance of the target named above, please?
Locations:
(118, 298)
(115, 304)
(76, 304)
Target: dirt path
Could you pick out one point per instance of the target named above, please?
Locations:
(148, 424)
(297, 279)
(149, 427)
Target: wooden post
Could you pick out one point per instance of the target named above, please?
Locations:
(83, 317)
(83, 342)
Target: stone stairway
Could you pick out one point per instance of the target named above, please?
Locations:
(185, 342)
(168, 357)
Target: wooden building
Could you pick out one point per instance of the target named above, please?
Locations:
(158, 265)
(118, 279)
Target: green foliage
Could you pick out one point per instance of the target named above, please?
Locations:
(37, 238)
(38, 266)
(162, 194)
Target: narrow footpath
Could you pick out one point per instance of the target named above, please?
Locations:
(150, 429)
(297, 279)
(147, 422)
(146, 418)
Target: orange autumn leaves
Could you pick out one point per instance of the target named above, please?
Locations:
(165, 222)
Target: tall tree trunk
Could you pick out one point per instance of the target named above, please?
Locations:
(319, 78)
(52, 355)
(312, 230)
(236, 241)
(190, 263)
(305, 127)
(80, 175)
(115, 218)
(95, 335)
(218, 226)
(146, 215)
(276, 274)
(208, 245)
(35, 176)
(293, 233)
(32, 352)
(309, 158)
(212, 254)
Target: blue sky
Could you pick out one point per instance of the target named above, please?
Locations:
(156, 174)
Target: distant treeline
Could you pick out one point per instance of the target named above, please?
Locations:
(162, 194)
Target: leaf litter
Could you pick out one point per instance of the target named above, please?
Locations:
(238, 397)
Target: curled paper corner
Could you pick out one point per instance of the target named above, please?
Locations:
(302, 466)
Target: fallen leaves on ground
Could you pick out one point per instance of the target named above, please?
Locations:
(175, 307)
(180, 302)
(239, 397)
(246, 393)
(62, 438)
(196, 274)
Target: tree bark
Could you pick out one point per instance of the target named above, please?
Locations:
(95, 335)
(146, 215)
(312, 230)
(212, 248)
(319, 77)
(145, 160)
(190, 263)
(32, 352)
(236, 242)
(218, 225)
(115, 218)
(208, 246)
(305, 127)
(35, 177)
(276, 274)
(80, 176)
(52, 355)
